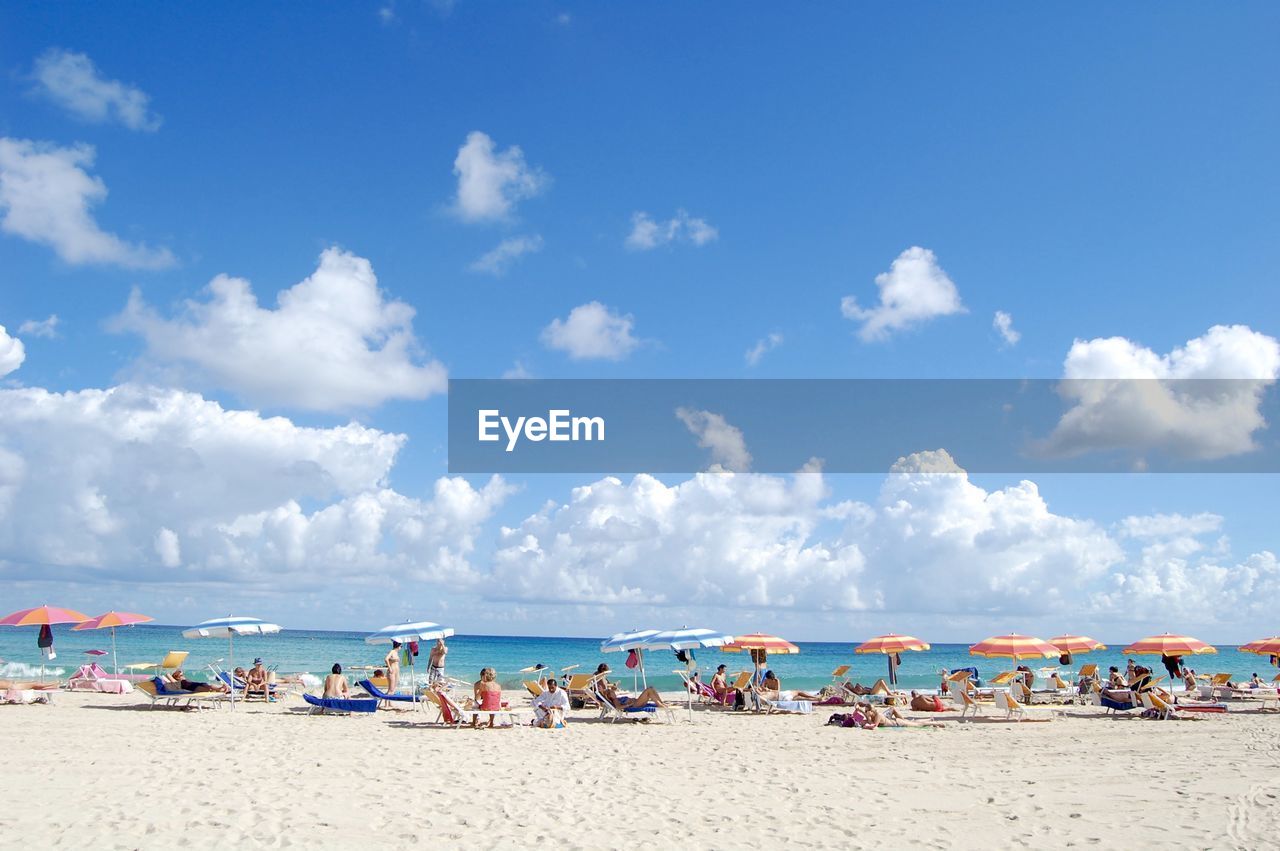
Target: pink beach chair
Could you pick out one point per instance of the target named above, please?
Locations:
(93, 678)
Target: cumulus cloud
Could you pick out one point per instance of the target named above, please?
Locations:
(492, 182)
(40, 327)
(648, 233)
(1200, 401)
(1003, 323)
(507, 252)
(592, 332)
(333, 342)
(762, 347)
(913, 291)
(46, 197)
(727, 445)
(73, 82)
(12, 353)
(167, 485)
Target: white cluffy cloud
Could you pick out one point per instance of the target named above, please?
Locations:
(47, 327)
(762, 347)
(1125, 396)
(12, 353)
(507, 252)
(592, 332)
(72, 81)
(492, 182)
(46, 196)
(647, 233)
(728, 448)
(167, 485)
(914, 290)
(332, 343)
(1003, 323)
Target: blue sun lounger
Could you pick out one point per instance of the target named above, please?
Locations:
(368, 686)
(340, 705)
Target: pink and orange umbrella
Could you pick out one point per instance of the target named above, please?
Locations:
(111, 620)
(1015, 647)
(1169, 645)
(1263, 646)
(760, 641)
(43, 616)
(891, 644)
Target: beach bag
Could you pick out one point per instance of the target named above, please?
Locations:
(633, 659)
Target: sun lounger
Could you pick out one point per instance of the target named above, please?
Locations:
(959, 692)
(378, 693)
(788, 707)
(1153, 702)
(25, 692)
(533, 688)
(447, 712)
(340, 705)
(162, 693)
(627, 712)
(94, 678)
(581, 689)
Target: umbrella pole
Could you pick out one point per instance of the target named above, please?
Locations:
(115, 660)
(231, 657)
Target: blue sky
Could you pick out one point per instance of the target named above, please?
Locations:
(1107, 172)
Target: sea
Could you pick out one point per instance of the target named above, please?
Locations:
(315, 651)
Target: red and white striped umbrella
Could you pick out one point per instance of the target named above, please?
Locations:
(1076, 643)
(891, 643)
(1263, 646)
(1170, 645)
(1015, 647)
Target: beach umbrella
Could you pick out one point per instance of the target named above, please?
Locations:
(43, 616)
(757, 643)
(626, 642)
(1015, 647)
(111, 620)
(1072, 644)
(891, 645)
(228, 628)
(688, 639)
(1167, 644)
(402, 633)
(1263, 646)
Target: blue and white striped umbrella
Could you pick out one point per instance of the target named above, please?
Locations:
(402, 632)
(632, 640)
(229, 626)
(687, 639)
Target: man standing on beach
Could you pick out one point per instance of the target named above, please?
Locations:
(436, 662)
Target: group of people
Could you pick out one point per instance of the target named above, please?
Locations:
(255, 680)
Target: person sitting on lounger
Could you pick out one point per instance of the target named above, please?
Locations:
(256, 681)
(488, 696)
(549, 708)
(335, 685)
(1189, 680)
(720, 683)
(1256, 682)
(1115, 679)
(180, 681)
(890, 716)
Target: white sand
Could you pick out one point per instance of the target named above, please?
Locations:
(98, 770)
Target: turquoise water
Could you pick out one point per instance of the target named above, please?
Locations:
(315, 651)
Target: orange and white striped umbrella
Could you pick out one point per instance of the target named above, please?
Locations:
(1263, 646)
(759, 641)
(111, 620)
(43, 616)
(1170, 645)
(891, 643)
(1015, 647)
(1076, 643)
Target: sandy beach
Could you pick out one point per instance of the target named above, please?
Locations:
(106, 771)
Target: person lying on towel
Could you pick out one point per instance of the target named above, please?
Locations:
(771, 688)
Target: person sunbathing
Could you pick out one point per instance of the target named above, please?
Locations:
(335, 685)
(179, 681)
(771, 689)
(890, 716)
(1189, 680)
(926, 702)
(621, 701)
(488, 696)
(1115, 679)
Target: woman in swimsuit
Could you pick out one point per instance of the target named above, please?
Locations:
(335, 685)
(392, 661)
(488, 696)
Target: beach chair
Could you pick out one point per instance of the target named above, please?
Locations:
(1220, 683)
(1088, 672)
(161, 693)
(533, 688)
(629, 712)
(581, 688)
(93, 678)
(340, 705)
(837, 676)
(1154, 702)
(447, 712)
(1012, 709)
(786, 707)
(377, 693)
(959, 692)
